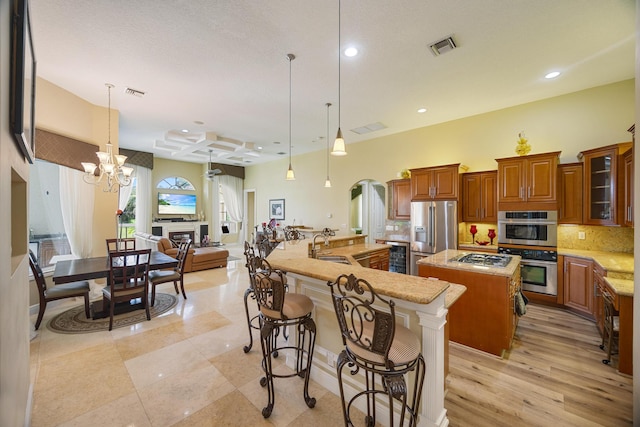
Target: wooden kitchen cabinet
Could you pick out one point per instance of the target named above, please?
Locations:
(479, 197)
(570, 191)
(578, 286)
(435, 183)
(603, 186)
(628, 188)
(528, 182)
(378, 260)
(399, 199)
(483, 317)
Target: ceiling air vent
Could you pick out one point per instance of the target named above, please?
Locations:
(443, 46)
(134, 92)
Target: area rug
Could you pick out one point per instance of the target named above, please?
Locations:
(74, 321)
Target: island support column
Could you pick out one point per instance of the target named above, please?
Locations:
(432, 319)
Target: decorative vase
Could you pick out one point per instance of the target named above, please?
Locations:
(523, 148)
(492, 235)
(473, 230)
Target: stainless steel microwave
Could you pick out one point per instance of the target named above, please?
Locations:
(535, 228)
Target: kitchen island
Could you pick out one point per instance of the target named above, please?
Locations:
(484, 317)
(421, 306)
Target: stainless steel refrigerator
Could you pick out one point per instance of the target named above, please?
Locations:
(434, 228)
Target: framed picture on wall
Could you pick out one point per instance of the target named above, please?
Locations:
(276, 208)
(23, 80)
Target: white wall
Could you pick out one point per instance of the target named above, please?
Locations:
(14, 285)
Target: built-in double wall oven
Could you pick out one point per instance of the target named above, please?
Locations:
(533, 235)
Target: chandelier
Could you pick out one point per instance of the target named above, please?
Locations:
(111, 168)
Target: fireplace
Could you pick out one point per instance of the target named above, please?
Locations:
(177, 236)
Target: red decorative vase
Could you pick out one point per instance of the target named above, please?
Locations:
(492, 235)
(473, 230)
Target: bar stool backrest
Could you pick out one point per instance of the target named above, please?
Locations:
(269, 288)
(363, 325)
(292, 234)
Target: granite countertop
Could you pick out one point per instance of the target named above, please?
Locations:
(447, 259)
(294, 258)
(623, 287)
(616, 264)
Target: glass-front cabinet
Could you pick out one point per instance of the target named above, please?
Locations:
(602, 196)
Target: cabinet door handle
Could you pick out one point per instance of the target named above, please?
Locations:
(520, 193)
(528, 192)
(477, 213)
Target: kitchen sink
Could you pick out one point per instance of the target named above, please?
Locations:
(334, 258)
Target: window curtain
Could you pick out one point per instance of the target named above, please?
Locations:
(76, 202)
(232, 190)
(143, 199)
(214, 185)
(125, 192)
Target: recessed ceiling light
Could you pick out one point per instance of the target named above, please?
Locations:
(259, 147)
(552, 75)
(422, 110)
(351, 51)
(185, 131)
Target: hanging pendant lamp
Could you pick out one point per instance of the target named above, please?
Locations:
(338, 145)
(327, 183)
(290, 175)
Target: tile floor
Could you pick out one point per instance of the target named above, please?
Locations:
(184, 368)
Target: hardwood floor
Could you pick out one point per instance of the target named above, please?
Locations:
(553, 375)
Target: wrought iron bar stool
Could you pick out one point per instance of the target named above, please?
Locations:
(253, 321)
(280, 309)
(611, 327)
(381, 348)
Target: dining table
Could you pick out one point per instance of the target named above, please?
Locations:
(74, 270)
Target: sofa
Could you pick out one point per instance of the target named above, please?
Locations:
(197, 258)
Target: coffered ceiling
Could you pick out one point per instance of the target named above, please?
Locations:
(215, 76)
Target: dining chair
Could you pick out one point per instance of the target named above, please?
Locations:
(375, 344)
(128, 279)
(174, 275)
(66, 290)
(124, 244)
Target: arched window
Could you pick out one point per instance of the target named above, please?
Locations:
(175, 183)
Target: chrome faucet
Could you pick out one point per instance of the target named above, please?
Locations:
(326, 233)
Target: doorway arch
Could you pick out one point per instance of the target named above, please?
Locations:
(367, 209)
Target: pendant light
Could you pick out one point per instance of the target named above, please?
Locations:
(338, 145)
(290, 175)
(327, 183)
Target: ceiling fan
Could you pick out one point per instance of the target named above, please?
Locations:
(211, 172)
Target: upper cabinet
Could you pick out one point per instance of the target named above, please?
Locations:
(603, 184)
(435, 183)
(528, 182)
(479, 197)
(399, 202)
(570, 190)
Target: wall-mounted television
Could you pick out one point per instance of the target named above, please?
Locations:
(176, 204)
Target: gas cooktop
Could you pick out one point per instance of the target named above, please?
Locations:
(487, 260)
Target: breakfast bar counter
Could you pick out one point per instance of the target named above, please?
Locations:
(421, 306)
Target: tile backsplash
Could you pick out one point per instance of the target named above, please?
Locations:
(597, 238)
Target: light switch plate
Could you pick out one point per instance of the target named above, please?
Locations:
(581, 235)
